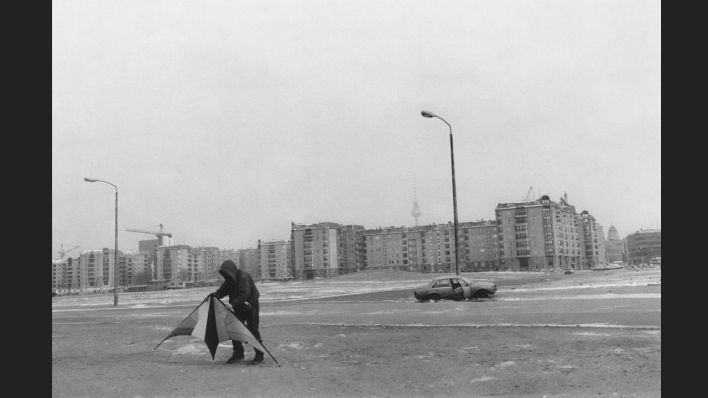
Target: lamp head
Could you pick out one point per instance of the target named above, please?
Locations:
(427, 114)
(90, 179)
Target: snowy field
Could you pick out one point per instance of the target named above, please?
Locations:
(270, 292)
(589, 334)
(359, 284)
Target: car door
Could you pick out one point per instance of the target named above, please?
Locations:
(458, 291)
(443, 288)
(466, 288)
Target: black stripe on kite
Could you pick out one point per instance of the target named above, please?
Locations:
(211, 335)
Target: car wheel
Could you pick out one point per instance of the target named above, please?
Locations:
(481, 294)
(434, 297)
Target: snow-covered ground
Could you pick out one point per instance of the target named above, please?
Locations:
(304, 290)
(582, 335)
(270, 292)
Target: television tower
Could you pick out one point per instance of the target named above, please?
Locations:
(416, 210)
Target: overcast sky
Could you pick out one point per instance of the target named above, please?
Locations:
(228, 120)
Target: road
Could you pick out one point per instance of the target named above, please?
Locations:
(579, 335)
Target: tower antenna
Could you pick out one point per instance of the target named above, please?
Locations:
(416, 209)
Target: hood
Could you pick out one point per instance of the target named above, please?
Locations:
(228, 268)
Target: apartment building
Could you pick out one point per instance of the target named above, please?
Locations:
(274, 260)
(72, 275)
(249, 261)
(478, 245)
(314, 250)
(431, 248)
(593, 241)
(96, 268)
(211, 262)
(133, 268)
(66, 275)
(148, 247)
(196, 268)
(348, 245)
(59, 274)
(388, 248)
(175, 264)
(643, 245)
(538, 234)
(527, 235)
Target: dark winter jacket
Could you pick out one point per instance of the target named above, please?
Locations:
(238, 285)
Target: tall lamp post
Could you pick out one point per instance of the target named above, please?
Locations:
(454, 193)
(115, 251)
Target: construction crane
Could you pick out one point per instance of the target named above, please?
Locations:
(529, 194)
(63, 252)
(160, 234)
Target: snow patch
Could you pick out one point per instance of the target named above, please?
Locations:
(567, 367)
(483, 378)
(191, 349)
(506, 364)
(295, 345)
(484, 325)
(586, 297)
(163, 328)
(276, 313)
(592, 334)
(153, 315)
(386, 312)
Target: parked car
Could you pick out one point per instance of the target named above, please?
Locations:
(454, 288)
(569, 271)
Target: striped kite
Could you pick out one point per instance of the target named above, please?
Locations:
(213, 322)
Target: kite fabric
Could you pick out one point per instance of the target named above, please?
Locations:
(213, 322)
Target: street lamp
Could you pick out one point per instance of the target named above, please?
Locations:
(454, 193)
(115, 252)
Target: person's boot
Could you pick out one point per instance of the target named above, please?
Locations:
(237, 356)
(258, 358)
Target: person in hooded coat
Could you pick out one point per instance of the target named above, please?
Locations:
(243, 297)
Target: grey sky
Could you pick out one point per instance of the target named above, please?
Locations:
(227, 120)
